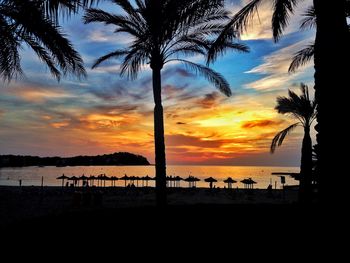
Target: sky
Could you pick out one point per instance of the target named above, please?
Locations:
(106, 113)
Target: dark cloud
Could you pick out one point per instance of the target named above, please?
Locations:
(260, 123)
(119, 90)
(259, 140)
(210, 100)
(180, 123)
(185, 140)
(179, 93)
(172, 115)
(118, 109)
(184, 73)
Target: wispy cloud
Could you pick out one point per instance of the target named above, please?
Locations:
(260, 123)
(38, 94)
(274, 69)
(107, 35)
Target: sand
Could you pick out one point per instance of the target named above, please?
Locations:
(20, 204)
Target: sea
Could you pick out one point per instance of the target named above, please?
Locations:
(36, 176)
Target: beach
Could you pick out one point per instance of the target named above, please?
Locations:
(18, 204)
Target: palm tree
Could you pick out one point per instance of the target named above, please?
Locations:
(331, 53)
(306, 54)
(35, 23)
(162, 31)
(303, 109)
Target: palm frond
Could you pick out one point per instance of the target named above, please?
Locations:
(10, 66)
(124, 24)
(185, 49)
(44, 55)
(222, 48)
(115, 54)
(242, 19)
(280, 17)
(309, 20)
(217, 79)
(236, 26)
(279, 137)
(30, 25)
(135, 58)
(53, 8)
(302, 57)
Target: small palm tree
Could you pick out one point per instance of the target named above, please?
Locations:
(162, 31)
(303, 109)
(35, 23)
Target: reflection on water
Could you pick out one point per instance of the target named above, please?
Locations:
(260, 174)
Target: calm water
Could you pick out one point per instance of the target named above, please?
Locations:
(260, 174)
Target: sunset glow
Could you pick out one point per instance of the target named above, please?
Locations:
(106, 113)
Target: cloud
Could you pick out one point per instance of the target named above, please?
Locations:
(58, 125)
(107, 35)
(260, 123)
(183, 73)
(210, 100)
(176, 93)
(178, 123)
(274, 69)
(37, 93)
(227, 144)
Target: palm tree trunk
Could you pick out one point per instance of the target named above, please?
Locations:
(331, 57)
(305, 190)
(159, 139)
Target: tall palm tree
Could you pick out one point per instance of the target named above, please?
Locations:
(303, 109)
(162, 31)
(331, 53)
(306, 54)
(35, 23)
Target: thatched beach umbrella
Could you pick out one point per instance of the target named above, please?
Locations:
(229, 182)
(114, 179)
(104, 178)
(63, 177)
(248, 183)
(132, 180)
(210, 180)
(192, 181)
(83, 178)
(170, 179)
(177, 179)
(125, 178)
(74, 179)
(147, 178)
(92, 178)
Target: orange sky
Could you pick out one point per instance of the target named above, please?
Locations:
(105, 113)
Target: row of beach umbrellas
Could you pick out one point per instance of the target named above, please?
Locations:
(173, 181)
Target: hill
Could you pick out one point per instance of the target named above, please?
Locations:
(118, 158)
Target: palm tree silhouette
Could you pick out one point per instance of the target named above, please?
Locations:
(332, 34)
(306, 54)
(303, 109)
(35, 23)
(162, 31)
